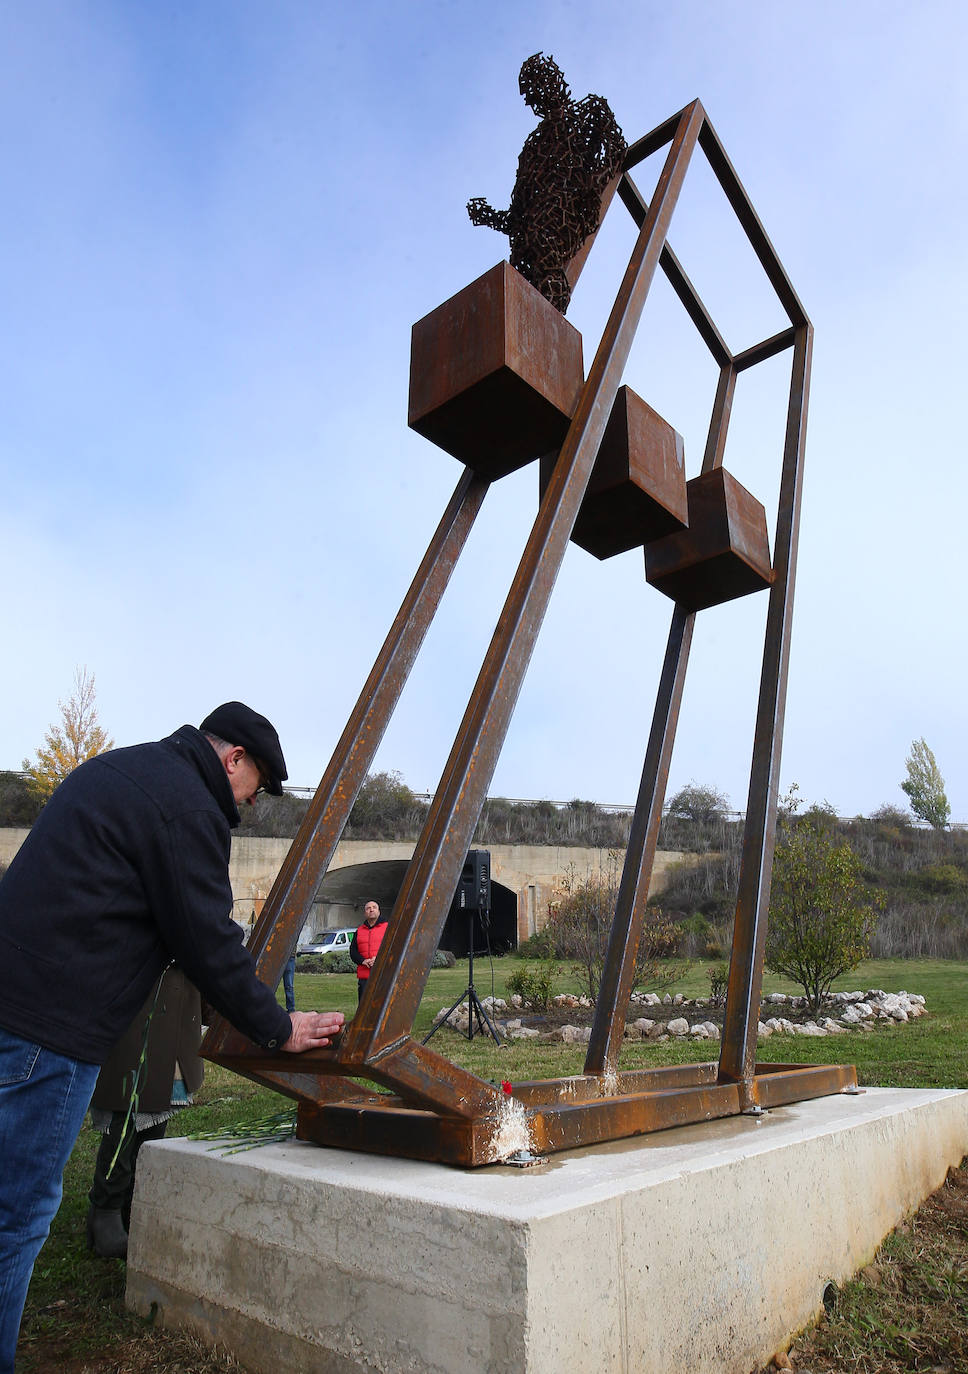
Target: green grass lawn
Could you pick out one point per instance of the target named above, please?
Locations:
(75, 1303)
(929, 1052)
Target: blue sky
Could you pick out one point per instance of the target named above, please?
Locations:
(222, 219)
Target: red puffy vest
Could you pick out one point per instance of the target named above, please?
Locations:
(368, 940)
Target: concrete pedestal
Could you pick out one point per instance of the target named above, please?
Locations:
(704, 1248)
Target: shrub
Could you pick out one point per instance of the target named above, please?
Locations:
(821, 914)
(311, 963)
(338, 962)
(386, 809)
(701, 805)
(535, 986)
(718, 982)
(19, 806)
(942, 878)
(276, 817)
(539, 946)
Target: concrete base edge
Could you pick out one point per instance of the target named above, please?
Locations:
(705, 1248)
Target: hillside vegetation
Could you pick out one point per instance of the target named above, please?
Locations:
(922, 873)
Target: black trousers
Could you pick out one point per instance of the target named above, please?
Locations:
(114, 1193)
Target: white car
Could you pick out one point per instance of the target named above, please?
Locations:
(329, 942)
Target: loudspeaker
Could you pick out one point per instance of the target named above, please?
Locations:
(474, 889)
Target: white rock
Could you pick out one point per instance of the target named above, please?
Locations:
(777, 997)
(809, 1028)
(699, 1031)
(678, 1026)
(652, 999)
(667, 1000)
(834, 1027)
(575, 1035)
(712, 1029)
(764, 1031)
(523, 1033)
(643, 1024)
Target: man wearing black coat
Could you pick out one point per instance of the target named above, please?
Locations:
(125, 870)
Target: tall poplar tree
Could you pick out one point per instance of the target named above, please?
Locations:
(924, 786)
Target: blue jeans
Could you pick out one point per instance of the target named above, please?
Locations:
(43, 1098)
(287, 982)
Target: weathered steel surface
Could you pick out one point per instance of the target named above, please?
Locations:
(749, 938)
(564, 1114)
(401, 1132)
(495, 374)
(724, 552)
(619, 971)
(437, 1110)
(637, 490)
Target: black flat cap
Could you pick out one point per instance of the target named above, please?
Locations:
(237, 723)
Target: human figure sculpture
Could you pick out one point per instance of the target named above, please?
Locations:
(564, 168)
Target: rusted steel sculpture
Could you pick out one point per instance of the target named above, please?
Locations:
(434, 1109)
(564, 170)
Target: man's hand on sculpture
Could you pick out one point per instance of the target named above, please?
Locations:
(312, 1029)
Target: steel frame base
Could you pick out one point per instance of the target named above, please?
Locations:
(565, 1113)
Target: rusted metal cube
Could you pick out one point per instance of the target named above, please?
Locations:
(637, 490)
(495, 374)
(725, 552)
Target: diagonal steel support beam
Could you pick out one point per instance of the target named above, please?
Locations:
(290, 900)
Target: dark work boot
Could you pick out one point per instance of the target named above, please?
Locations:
(106, 1235)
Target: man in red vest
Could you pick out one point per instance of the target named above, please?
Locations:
(366, 942)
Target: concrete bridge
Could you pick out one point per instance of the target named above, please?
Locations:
(524, 879)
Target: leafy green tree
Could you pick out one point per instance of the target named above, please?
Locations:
(822, 916)
(386, 809)
(77, 738)
(924, 786)
(698, 804)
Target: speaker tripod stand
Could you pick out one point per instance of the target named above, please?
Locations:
(475, 1008)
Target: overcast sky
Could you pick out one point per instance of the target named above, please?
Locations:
(221, 219)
